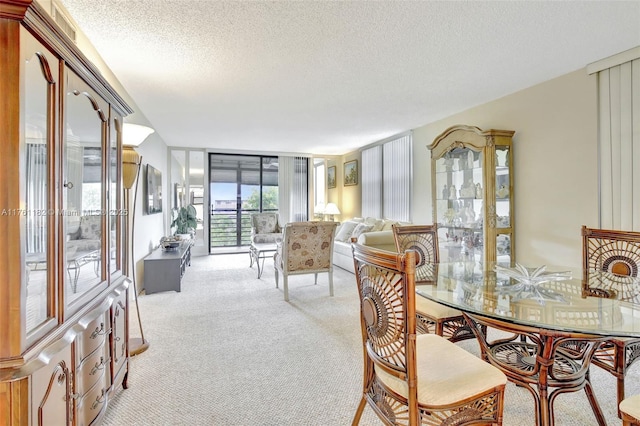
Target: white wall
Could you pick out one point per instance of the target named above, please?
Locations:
(555, 164)
(149, 228)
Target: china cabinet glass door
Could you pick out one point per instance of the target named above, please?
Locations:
(503, 206)
(83, 204)
(39, 118)
(459, 199)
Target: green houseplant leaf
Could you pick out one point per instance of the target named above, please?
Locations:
(185, 220)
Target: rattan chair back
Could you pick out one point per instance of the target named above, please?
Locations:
(611, 260)
(386, 287)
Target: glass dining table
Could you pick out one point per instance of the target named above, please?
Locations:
(550, 322)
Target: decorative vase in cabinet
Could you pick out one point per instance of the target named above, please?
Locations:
(473, 195)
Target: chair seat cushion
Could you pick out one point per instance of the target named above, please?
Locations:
(267, 238)
(435, 310)
(446, 373)
(631, 406)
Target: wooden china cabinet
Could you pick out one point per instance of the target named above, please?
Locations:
(63, 295)
(472, 190)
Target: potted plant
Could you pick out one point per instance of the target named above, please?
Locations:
(185, 221)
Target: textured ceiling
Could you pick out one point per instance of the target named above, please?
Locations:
(327, 77)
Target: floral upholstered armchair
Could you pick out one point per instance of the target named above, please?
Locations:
(265, 228)
(87, 237)
(306, 248)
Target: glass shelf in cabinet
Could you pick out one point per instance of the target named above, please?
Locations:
(475, 228)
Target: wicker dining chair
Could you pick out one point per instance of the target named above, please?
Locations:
(630, 410)
(415, 379)
(618, 254)
(432, 317)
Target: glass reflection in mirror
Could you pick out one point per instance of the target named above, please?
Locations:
(82, 199)
(178, 164)
(196, 192)
(38, 96)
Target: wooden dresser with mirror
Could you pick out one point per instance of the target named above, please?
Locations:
(63, 294)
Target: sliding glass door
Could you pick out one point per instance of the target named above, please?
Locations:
(239, 185)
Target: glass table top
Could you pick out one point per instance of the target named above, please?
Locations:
(596, 302)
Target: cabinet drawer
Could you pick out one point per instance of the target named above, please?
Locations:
(91, 370)
(92, 337)
(92, 403)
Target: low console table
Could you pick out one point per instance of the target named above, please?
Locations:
(163, 269)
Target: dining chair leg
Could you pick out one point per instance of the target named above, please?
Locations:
(358, 415)
(595, 406)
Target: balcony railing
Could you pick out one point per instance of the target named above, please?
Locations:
(230, 228)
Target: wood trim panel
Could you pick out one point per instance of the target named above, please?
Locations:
(10, 264)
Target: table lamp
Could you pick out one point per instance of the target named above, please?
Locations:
(331, 209)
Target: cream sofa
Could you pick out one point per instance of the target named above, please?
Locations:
(369, 231)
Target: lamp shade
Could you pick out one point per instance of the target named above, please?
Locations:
(331, 208)
(135, 134)
(130, 164)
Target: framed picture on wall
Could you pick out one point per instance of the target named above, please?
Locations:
(331, 177)
(351, 173)
(153, 190)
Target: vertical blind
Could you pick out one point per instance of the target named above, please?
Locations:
(619, 143)
(372, 182)
(36, 197)
(387, 179)
(293, 189)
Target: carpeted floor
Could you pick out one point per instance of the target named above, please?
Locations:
(228, 350)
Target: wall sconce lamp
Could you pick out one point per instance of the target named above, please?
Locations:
(331, 209)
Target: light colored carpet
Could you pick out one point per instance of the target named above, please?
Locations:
(228, 350)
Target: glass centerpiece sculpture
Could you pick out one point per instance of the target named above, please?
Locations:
(527, 283)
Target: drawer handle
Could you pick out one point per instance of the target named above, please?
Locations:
(73, 396)
(99, 400)
(100, 331)
(99, 366)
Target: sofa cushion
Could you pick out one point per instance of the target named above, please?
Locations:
(388, 223)
(345, 230)
(361, 229)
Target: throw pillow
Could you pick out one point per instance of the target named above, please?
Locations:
(345, 230)
(378, 225)
(90, 227)
(361, 229)
(387, 224)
